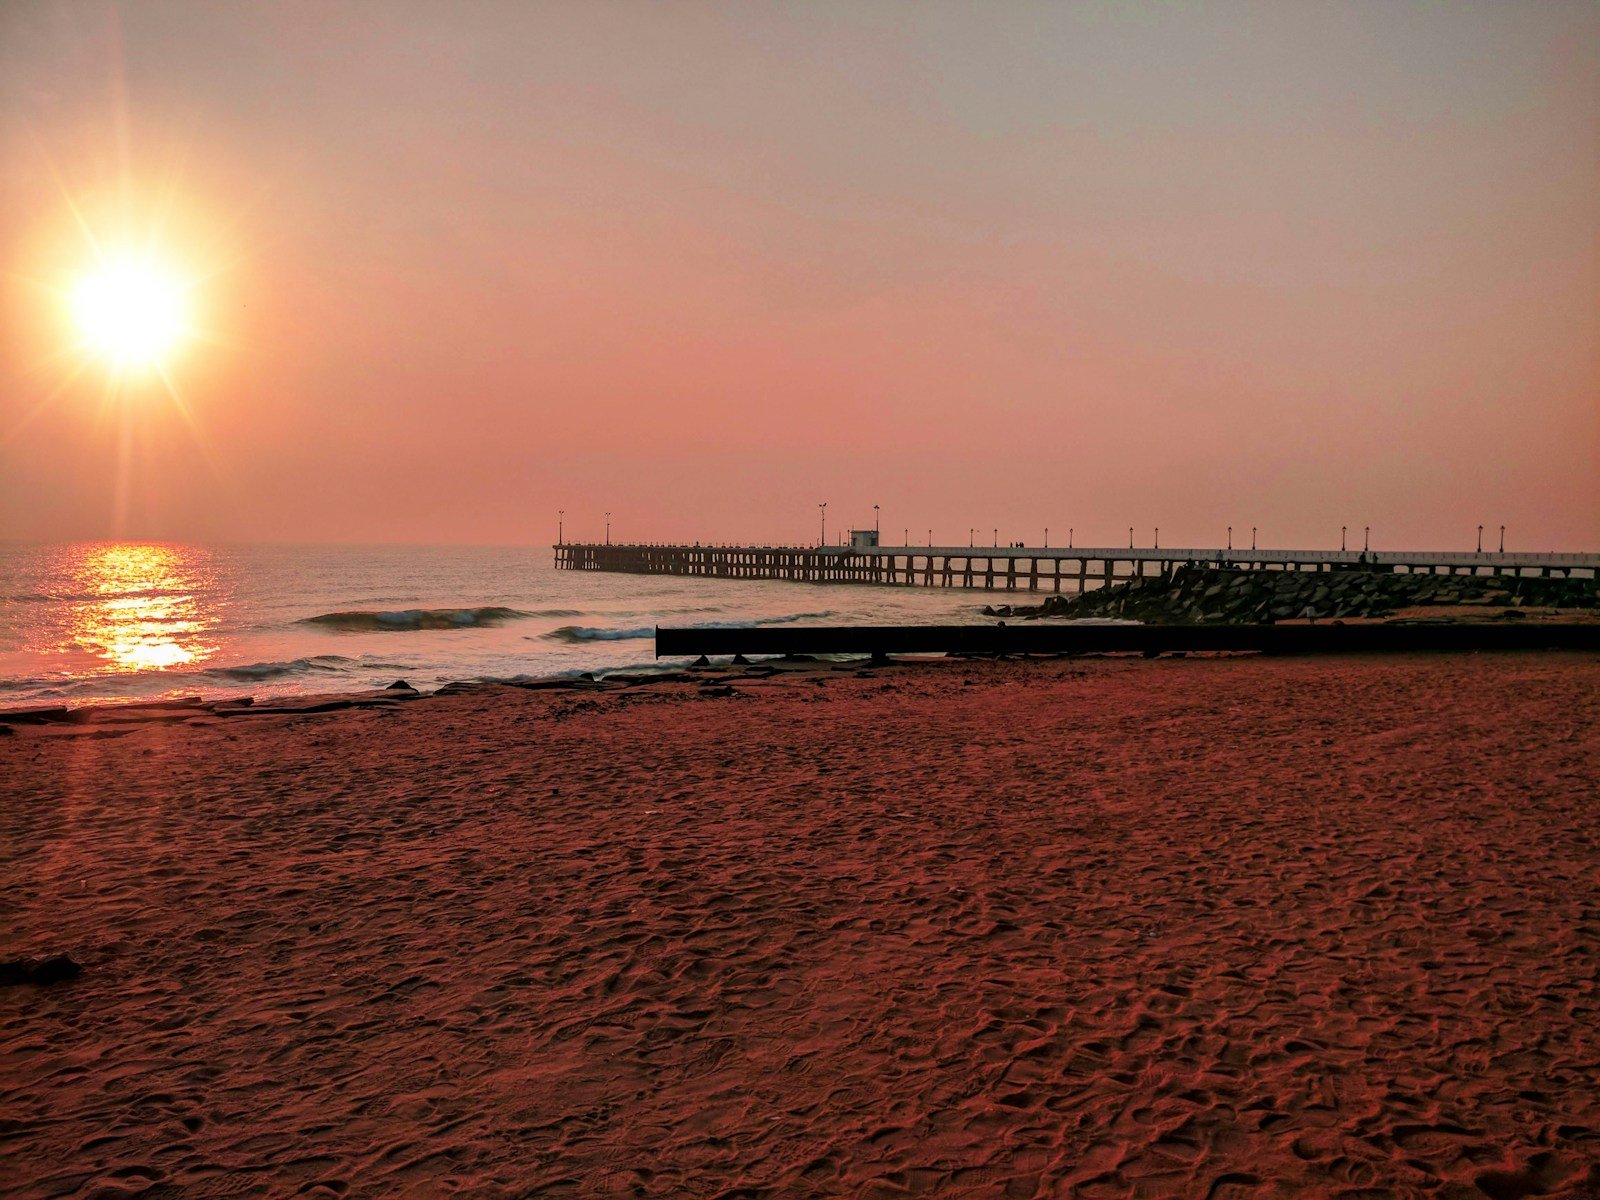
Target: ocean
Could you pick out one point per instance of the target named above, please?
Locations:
(133, 620)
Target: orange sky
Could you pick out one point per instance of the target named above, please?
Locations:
(1014, 265)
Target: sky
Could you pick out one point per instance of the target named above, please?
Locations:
(455, 267)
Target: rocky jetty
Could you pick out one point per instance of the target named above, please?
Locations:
(1198, 594)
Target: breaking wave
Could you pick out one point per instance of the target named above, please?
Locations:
(256, 672)
(597, 633)
(612, 633)
(420, 618)
(68, 597)
(816, 616)
(329, 667)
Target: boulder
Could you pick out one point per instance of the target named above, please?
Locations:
(41, 970)
(1201, 593)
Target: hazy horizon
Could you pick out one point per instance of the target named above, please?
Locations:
(1143, 541)
(1024, 265)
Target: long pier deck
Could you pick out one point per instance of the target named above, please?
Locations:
(1030, 568)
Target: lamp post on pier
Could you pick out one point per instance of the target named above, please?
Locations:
(1047, 537)
(1480, 539)
(1070, 532)
(1158, 537)
(874, 518)
(1130, 537)
(1252, 537)
(1341, 537)
(1230, 537)
(561, 517)
(608, 529)
(1366, 538)
(972, 537)
(1502, 539)
(997, 539)
(823, 509)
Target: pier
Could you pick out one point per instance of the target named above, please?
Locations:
(1030, 568)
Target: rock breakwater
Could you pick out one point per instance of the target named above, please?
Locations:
(1197, 593)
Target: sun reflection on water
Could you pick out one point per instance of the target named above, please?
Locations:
(137, 607)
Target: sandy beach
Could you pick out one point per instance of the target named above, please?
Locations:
(1211, 927)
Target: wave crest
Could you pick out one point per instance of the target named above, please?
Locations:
(415, 618)
(612, 633)
(597, 633)
(255, 672)
(150, 593)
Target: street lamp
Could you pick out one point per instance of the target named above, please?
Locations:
(1047, 537)
(1158, 537)
(1341, 537)
(1230, 537)
(1366, 538)
(996, 539)
(1480, 539)
(823, 509)
(1502, 539)
(1130, 537)
(874, 518)
(1252, 537)
(972, 537)
(608, 529)
(1070, 532)
(561, 514)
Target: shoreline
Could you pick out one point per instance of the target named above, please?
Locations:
(228, 701)
(196, 706)
(1239, 600)
(1113, 926)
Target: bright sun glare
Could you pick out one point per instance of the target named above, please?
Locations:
(131, 313)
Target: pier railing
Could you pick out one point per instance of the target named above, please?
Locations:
(1028, 568)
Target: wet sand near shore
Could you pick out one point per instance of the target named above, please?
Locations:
(1214, 927)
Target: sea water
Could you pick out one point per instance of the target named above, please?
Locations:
(133, 620)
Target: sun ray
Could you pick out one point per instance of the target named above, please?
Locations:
(124, 477)
(48, 399)
(196, 430)
(67, 198)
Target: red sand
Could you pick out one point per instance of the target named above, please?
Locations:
(1105, 928)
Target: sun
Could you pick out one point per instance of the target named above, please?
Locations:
(132, 313)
